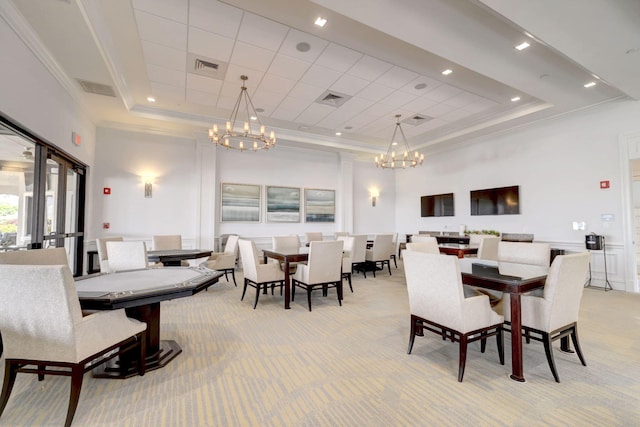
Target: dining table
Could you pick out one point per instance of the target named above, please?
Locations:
(458, 249)
(301, 255)
(514, 279)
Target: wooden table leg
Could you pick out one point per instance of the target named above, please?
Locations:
(517, 373)
(287, 287)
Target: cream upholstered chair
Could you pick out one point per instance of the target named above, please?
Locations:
(341, 234)
(313, 236)
(101, 244)
(555, 315)
(380, 251)
(130, 255)
(524, 253)
(287, 244)
(167, 242)
(426, 246)
(323, 270)
(437, 303)
(358, 253)
(45, 333)
(225, 261)
(394, 250)
(423, 238)
(258, 275)
(347, 261)
(50, 256)
(488, 248)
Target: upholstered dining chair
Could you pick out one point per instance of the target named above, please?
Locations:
(554, 315)
(358, 253)
(437, 303)
(129, 255)
(520, 253)
(429, 246)
(45, 333)
(167, 242)
(338, 234)
(256, 275)
(347, 261)
(225, 261)
(379, 253)
(101, 245)
(488, 248)
(394, 250)
(287, 244)
(322, 271)
(313, 236)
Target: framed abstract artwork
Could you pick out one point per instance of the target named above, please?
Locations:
(240, 203)
(283, 204)
(319, 205)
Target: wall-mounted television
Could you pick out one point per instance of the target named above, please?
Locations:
(496, 201)
(436, 205)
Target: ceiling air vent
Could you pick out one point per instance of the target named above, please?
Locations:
(416, 120)
(333, 99)
(97, 88)
(207, 67)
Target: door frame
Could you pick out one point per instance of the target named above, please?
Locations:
(629, 148)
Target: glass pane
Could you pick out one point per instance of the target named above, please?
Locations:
(16, 191)
(70, 221)
(50, 226)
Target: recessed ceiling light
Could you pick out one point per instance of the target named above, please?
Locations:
(515, 99)
(151, 99)
(394, 143)
(338, 133)
(259, 110)
(523, 46)
(420, 86)
(447, 72)
(590, 84)
(320, 21)
(348, 127)
(254, 118)
(303, 47)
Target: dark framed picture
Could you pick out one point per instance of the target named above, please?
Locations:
(319, 205)
(240, 203)
(283, 204)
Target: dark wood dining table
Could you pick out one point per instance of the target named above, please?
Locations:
(173, 257)
(514, 279)
(459, 250)
(287, 258)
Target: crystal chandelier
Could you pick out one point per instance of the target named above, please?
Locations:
(408, 159)
(242, 139)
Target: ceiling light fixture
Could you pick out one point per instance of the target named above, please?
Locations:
(151, 99)
(590, 84)
(320, 21)
(338, 133)
(409, 159)
(243, 139)
(515, 99)
(523, 46)
(447, 72)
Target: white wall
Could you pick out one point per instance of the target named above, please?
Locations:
(558, 165)
(382, 217)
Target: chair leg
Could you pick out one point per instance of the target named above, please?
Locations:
(463, 357)
(233, 275)
(309, 296)
(77, 374)
(293, 290)
(10, 373)
(41, 374)
(393, 257)
(546, 339)
(500, 341)
(375, 267)
(142, 357)
(483, 342)
(255, 304)
(412, 334)
(576, 344)
(225, 276)
(388, 266)
(349, 279)
(244, 289)
(339, 289)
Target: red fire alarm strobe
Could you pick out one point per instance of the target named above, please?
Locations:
(106, 190)
(604, 184)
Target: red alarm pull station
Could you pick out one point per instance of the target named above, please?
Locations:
(106, 225)
(106, 190)
(604, 184)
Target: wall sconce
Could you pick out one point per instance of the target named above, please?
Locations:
(148, 186)
(374, 194)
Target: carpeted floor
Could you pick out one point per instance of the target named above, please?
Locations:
(347, 366)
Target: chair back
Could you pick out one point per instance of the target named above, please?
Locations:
(325, 261)
(167, 242)
(43, 311)
(382, 247)
(434, 285)
(424, 238)
(341, 233)
(52, 256)
(347, 244)
(131, 255)
(286, 244)
(313, 237)
(248, 258)
(428, 246)
(488, 248)
(101, 245)
(524, 253)
(231, 248)
(475, 239)
(359, 248)
(563, 290)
